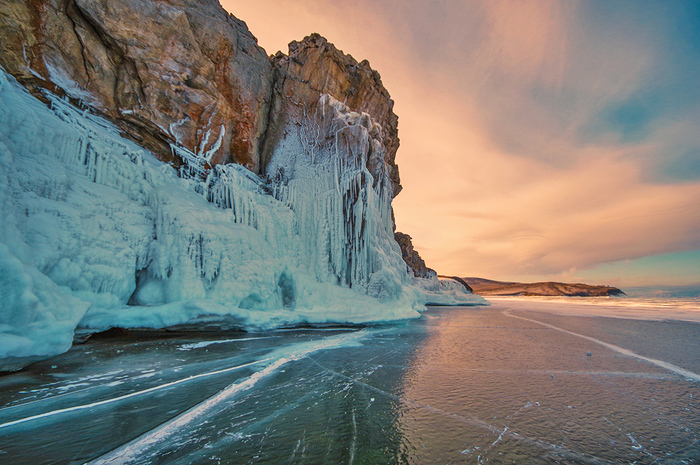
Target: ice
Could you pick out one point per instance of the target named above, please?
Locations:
(98, 233)
(689, 375)
(37, 319)
(466, 385)
(275, 359)
(654, 309)
(214, 148)
(199, 345)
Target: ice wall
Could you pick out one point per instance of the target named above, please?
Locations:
(329, 169)
(96, 232)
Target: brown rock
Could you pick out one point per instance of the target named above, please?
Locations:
(186, 71)
(459, 280)
(412, 258)
(173, 70)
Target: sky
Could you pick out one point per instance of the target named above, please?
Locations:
(540, 140)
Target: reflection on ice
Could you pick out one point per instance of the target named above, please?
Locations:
(668, 366)
(542, 397)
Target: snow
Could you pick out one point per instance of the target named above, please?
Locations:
(59, 76)
(214, 148)
(96, 232)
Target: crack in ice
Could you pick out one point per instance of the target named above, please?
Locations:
(131, 450)
(124, 397)
(621, 350)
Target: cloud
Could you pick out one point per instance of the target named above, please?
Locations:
(500, 215)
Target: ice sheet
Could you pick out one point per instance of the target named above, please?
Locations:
(472, 385)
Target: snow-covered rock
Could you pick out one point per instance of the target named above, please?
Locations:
(185, 72)
(180, 71)
(445, 291)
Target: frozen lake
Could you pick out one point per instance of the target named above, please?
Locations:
(510, 383)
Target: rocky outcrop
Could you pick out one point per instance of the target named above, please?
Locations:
(413, 260)
(488, 287)
(315, 67)
(185, 72)
(96, 233)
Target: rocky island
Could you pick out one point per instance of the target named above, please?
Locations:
(487, 287)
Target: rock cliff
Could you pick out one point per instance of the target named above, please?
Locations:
(279, 209)
(413, 260)
(315, 67)
(185, 72)
(176, 71)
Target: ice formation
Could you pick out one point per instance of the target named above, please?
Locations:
(96, 232)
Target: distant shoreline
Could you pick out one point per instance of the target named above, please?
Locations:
(487, 287)
(682, 310)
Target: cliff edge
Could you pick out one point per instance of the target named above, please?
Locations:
(412, 258)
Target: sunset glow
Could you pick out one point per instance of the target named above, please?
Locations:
(539, 140)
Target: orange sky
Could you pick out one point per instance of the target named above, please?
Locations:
(536, 137)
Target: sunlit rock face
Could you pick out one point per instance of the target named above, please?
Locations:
(182, 71)
(185, 72)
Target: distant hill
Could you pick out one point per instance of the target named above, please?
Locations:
(488, 287)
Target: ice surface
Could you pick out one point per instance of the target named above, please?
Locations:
(275, 360)
(479, 385)
(92, 220)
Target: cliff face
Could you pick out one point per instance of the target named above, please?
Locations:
(185, 72)
(176, 71)
(315, 67)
